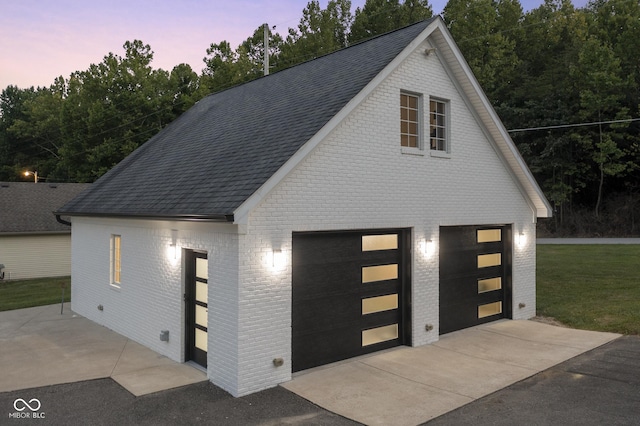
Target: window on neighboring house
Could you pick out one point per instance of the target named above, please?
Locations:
(115, 259)
(438, 125)
(409, 121)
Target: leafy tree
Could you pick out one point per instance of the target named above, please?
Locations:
(319, 32)
(602, 89)
(39, 129)
(112, 108)
(381, 16)
(485, 31)
(543, 94)
(14, 152)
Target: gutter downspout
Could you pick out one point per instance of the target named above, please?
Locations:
(62, 221)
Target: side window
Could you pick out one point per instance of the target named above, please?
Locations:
(438, 119)
(116, 241)
(409, 120)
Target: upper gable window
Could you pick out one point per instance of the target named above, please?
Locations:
(438, 125)
(409, 120)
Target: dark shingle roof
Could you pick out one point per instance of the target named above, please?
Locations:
(218, 153)
(27, 207)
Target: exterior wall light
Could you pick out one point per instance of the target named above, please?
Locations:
(278, 260)
(521, 239)
(428, 247)
(173, 250)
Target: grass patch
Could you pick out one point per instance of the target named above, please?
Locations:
(592, 287)
(36, 292)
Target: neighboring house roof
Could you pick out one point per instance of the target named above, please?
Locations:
(27, 207)
(222, 156)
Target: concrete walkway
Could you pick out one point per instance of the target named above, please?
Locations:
(41, 347)
(409, 386)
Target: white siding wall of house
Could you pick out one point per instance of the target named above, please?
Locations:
(359, 178)
(150, 297)
(35, 256)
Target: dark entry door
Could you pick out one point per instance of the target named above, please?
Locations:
(196, 297)
(349, 295)
(475, 275)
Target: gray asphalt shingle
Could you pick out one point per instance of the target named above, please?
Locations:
(217, 154)
(27, 207)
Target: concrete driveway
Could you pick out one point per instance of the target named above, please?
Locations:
(408, 386)
(41, 347)
(402, 386)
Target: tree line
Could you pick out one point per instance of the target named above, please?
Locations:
(565, 82)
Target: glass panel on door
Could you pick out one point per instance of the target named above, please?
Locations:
(379, 334)
(379, 273)
(489, 309)
(202, 268)
(201, 340)
(489, 235)
(488, 260)
(372, 305)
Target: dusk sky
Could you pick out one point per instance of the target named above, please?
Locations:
(43, 39)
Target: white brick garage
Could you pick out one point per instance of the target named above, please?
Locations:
(314, 149)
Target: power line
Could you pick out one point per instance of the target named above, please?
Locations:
(564, 126)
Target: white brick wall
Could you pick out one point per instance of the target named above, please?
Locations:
(357, 178)
(150, 297)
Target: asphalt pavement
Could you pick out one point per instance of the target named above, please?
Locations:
(599, 387)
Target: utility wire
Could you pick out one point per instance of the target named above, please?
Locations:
(564, 126)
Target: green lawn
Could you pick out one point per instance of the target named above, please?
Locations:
(27, 293)
(592, 287)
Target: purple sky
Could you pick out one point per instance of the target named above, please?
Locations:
(43, 39)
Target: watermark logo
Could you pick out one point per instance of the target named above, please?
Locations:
(20, 404)
(27, 409)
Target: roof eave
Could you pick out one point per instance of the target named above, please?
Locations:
(32, 233)
(225, 218)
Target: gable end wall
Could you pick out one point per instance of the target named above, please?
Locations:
(358, 178)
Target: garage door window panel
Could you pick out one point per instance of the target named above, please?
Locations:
(489, 284)
(379, 242)
(379, 334)
(379, 273)
(489, 260)
(489, 235)
(372, 305)
(489, 309)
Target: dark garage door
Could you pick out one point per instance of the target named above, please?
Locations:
(475, 275)
(349, 293)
